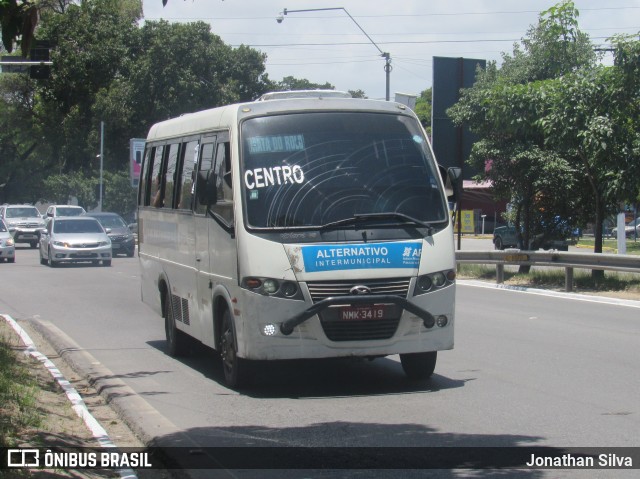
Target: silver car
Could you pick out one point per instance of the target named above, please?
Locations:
(7, 245)
(24, 222)
(73, 240)
(64, 210)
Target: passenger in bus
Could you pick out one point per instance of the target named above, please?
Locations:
(158, 199)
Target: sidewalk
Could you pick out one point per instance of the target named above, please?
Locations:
(60, 425)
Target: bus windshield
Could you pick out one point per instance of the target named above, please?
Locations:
(315, 169)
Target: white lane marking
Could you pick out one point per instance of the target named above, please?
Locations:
(77, 402)
(557, 294)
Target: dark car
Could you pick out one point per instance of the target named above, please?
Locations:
(122, 240)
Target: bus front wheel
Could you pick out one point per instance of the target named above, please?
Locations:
(419, 366)
(235, 368)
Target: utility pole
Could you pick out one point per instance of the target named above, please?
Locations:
(101, 164)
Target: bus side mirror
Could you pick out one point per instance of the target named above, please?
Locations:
(450, 178)
(453, 180)
(206, 189)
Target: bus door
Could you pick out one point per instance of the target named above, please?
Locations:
(202, 247)
(215, 238)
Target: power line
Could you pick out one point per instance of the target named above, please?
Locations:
(399, 42)
(444, 14)
(257, 34)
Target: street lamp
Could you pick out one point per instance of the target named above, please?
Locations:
(385, 55)
(99, 208)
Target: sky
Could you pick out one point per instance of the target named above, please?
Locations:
(343, 45)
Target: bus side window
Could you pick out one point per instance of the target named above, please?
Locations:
(143, 197)
(155, 188)
(189, 154)
(170, 175)
(205, 164)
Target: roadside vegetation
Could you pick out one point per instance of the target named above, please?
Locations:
(557, 130)
(18, 395)
(612, 283)
(610, 245)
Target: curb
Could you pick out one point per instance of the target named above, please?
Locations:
(145, 422)
(76, 400)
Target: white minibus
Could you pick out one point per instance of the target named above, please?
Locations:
(288, 228)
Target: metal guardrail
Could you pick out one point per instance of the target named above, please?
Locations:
(561, 259)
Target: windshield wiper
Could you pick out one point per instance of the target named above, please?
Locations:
(363, 217)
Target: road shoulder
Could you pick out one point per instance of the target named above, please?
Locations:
(60, 424)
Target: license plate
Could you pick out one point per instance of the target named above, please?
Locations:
(362, 313)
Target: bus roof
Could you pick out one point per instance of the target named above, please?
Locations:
(227, 116)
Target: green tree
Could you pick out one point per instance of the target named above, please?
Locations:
(423, 109)
(358, 93)
(59, 188)
(592, 118)
(18, 20)
(291, 83)
(108, 68)
(503, 109)
(92, 42)
(20, 149)
(174, 69)
(118, 195)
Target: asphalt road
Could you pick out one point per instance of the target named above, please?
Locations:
(527, 370)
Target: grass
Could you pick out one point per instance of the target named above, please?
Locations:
(610, 245)
(18, 396)
(619, 284)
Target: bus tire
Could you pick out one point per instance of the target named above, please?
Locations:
(177, 341)
(234, 368)
(419, 366)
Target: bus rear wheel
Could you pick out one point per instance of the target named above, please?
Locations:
(235, 368)
(419, 366)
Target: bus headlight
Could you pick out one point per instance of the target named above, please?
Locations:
(434, 281)
(289, 289)
(272, 287)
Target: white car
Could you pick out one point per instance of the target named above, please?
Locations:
(7, 246)
(64, 210)
(24, 223)
(73, 240)
(629, 228)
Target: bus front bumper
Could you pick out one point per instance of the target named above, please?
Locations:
(288, 325)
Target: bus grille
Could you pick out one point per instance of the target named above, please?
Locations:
(360, 330)
(320, 290)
